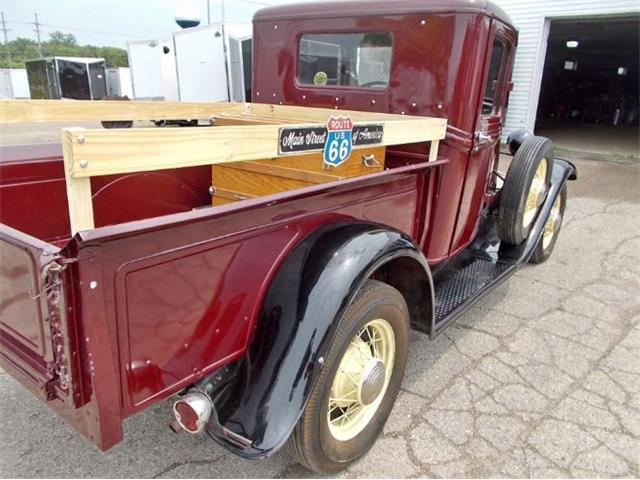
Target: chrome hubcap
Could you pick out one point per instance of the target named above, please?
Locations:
(373, 380)
(361, 380)
(536, 195)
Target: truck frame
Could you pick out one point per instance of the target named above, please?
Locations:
(264, 270)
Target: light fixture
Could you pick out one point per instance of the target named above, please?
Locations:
(622, 70)
(572, 43)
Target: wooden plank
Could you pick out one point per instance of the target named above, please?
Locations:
(135, 150)
(321, 115)
(433, 150)
(252, 183)
(16, 111)
(313, 162)
(273, 168)
(231, 195)
(218, 200)
(78, 189)
(226, 120)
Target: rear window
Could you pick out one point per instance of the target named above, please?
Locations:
(345, 59)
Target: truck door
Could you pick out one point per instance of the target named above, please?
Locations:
(486, 143)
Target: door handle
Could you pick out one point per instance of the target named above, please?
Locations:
(483, 137)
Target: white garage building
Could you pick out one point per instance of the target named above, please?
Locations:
(576, 64)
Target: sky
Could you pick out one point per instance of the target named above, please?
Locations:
(116, 22)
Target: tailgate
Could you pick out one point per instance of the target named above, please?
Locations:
(33, 346)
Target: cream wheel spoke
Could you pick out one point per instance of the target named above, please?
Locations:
(346, 399)
(356, 344)
(349, 411)
(374, 345)
(361, 379)
(348, 375)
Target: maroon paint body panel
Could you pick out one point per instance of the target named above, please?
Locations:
(167, 288)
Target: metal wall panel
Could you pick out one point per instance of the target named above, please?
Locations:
(532, 18)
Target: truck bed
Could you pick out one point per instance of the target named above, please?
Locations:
(166, 287)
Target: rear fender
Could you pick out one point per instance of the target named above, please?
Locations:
(310, 292)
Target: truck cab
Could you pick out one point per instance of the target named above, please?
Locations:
(445, 58)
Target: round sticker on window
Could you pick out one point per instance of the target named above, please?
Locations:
(320, 78)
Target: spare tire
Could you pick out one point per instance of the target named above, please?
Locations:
(525, 188)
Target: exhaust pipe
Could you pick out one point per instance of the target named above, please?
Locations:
(193, 411)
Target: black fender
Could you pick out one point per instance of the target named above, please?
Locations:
(310, 292)
(562, 171)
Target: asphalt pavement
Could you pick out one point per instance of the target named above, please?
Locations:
(541, 379)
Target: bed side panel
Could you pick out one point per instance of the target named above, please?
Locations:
(185, 295)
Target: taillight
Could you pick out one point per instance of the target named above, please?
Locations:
(193, 411)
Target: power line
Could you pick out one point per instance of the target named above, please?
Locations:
(5, 30)
(76, 29)
(37, 30)
(84, 23)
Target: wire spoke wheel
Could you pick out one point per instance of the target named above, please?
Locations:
(552, 226)
(551, 230)
(361, 379)
(536, 194)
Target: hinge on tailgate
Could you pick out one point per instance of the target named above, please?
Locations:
(52, 290)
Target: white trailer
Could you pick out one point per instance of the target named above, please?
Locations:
(213, 62)
(14, 83)
(153, 69)
(119, 82)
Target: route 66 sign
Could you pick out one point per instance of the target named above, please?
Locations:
(339, 143)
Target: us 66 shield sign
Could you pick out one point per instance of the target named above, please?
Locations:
(339, 143)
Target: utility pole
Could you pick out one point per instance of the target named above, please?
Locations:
(37, 30)
(208, 12)
(5, 30)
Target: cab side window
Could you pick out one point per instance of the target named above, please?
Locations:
(493, 90)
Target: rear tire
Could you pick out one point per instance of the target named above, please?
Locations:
(525, 188)
(337, 427)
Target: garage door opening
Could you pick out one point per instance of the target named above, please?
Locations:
(589, 93)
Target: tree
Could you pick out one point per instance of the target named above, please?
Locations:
(68, 39)
(61, 44)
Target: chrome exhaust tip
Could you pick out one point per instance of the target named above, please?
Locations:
(193, 411)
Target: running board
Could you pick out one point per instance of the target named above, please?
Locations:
(465, 284)
(486, 263)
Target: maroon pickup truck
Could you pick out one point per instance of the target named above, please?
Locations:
(282, 317)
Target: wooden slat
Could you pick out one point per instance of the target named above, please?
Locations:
(433, 151)
(17, 111)
(273, 168)
(252, 183)
(226, 120)
(313, 162)
(231, 195)
(321, 115)
(218, 200)
(135, 150)
(78, 189)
